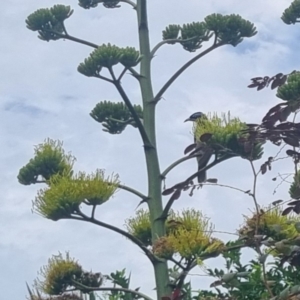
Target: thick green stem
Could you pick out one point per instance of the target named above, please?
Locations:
(153, 170)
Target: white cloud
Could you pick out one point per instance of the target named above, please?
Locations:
(43, 96)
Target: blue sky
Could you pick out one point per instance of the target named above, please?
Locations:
(42, 95)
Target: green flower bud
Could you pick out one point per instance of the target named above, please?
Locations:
(171, 32)
(61, 12)
(292, 14)
(129, 57)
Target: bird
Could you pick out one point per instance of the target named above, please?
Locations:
(195, 116)
(204, 152)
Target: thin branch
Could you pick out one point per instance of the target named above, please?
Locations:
(169, 204)
(184, 273)
(226, 186)
(93, 211)
(72, 38)
(173, 41)
(215, 162)
(282, 181)
(177, 263)
(122, 74)
(294, 148)
(109, 289)
(133, 191)
(253, 194)
(223, 232)
(279, 151)
(176, 163)
(135, 240)
(182, 69)
(194, 263)
(135, 116)
(104, 78)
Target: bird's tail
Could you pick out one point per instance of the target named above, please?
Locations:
(202, 162)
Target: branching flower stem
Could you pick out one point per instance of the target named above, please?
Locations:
(182, 69)
(129, 2)
(173, 41)
(109, 289)
(253, 194)
(176, 163)
(133, 191)
(226, 186)
(72, 38)
(169, 204)
(136, 241)
(128, 103)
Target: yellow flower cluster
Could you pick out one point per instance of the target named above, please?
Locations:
(188, 234)
(66, 193)
(57, 275)
(271, 223)
(227, 133)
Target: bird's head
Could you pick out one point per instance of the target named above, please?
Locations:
(195, 116)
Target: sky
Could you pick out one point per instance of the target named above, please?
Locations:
(42, 95)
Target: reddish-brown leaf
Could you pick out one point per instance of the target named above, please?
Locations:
(292, 153)
(296, 209)
(205, 137)
(287, 210)
(279, 79)
(263, 168)
(283, 80)
(189, 148)
(261, 86)
(253, 85)
(285, 126)
(291, 141)
(284, 113)
(256, 78)
(294, 202)
(274, 109)
(276, 202)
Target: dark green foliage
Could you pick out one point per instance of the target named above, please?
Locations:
(197, 33)
(119, 278)
(171, 32)
(93, 3)
(295, 187)
(49, 22)
(88, 3)
(106, 56)
(252, 286)
(230, 29)
(114, 116)
(290, 91)
(292, 14)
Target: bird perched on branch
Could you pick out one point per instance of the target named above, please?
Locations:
(204, 152)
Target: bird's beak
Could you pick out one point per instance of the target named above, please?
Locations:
(187, 120)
